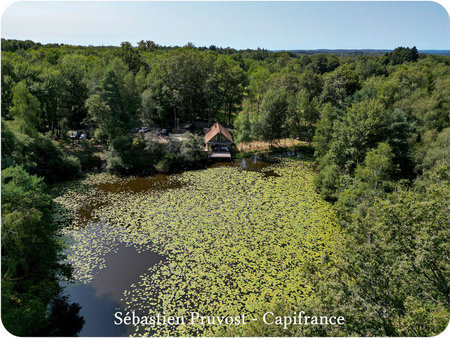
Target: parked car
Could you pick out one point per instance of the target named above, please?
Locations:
(84, 136)
(75, 135)
(164, 132)
(144, 130)
(135, 130)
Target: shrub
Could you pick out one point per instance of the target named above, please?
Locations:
(192, 154)
(89, 161)
(119, 155)
(41, 156)
(169, 163)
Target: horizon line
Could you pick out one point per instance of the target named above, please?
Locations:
(228, 47)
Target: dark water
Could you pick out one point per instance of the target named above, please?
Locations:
(250, 164)
(101, 298)
(140, 184)
(86, 213)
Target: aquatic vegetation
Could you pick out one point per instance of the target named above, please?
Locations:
(234, 240)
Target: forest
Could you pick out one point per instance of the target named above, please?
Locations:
(378, 125)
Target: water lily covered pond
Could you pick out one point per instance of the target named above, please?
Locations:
(226, 240)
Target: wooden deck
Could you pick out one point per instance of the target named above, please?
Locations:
(220, 155)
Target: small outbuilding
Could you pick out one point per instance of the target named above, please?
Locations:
(218, 141)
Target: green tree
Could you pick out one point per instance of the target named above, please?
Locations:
(273, 112)
(31, 253)
(398, 133)
(178, 81)
(340, 85)
(192, 152)
(75, 93)
(258, 84)
(26, 110)
(109, 91)
(7, 83)
(402, 54)
(231, 80)
(243, 127)
(101, 118)
(49, 90)
(359, 130)
(9, 146)
(312, 83)
(372, 179)
(151, 113)
(437, 153)
(301, 120)
(119, 157)
(324, 131)
(130, 56)
(393, 269)
(322, 63)
(328, 180)
(377, 167)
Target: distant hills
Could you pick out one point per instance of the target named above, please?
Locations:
(435, 51)
(355, 52)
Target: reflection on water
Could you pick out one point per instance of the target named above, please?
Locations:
(161, 182)
(139, 184)
(97, 311)
(253, 163)
(123, 269)
(244, 163)
(86, 213)
(101, 298)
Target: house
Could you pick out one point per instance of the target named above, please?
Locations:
(218, 142)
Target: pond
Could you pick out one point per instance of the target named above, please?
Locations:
(226, 240)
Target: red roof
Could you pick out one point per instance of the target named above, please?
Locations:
(217, 128)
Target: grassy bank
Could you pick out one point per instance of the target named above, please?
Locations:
(264, 149)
